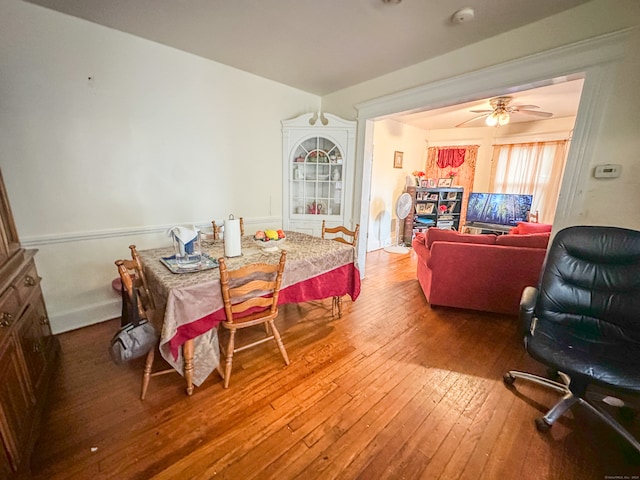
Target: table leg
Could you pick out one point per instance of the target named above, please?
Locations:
(187, 353)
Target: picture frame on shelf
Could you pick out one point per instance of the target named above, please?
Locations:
(432, 183)
(424, 208)
(452, 195)
(424, 183)
(397, 159)
(445, 182)
(433, 196)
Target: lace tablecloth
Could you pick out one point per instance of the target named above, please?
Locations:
(189, 305)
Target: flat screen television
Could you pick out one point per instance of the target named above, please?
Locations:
(497, 209)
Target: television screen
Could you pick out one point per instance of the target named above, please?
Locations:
(498, 208)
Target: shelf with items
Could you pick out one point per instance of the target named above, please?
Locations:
(437, 207)
(318, 158)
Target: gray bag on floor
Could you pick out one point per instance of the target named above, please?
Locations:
(135, 339)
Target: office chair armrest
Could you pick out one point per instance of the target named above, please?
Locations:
(527, 304)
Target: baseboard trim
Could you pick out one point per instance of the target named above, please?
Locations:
(83, 317)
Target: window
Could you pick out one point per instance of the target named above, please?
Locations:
(530, 168)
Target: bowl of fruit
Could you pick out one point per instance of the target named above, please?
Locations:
(269, 239)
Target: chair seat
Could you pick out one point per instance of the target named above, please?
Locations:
(609, 362)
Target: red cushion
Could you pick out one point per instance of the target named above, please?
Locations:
(534, 240)
(514, 231)
(420, 238)
(439, 235)
(530, 227)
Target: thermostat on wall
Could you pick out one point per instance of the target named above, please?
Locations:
(609, 170)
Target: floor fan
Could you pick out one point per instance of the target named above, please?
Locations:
(403, 207)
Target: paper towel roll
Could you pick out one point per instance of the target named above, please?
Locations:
(232, 238)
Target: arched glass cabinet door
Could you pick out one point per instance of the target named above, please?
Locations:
(316, 178)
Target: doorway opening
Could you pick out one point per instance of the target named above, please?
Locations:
(549, 116)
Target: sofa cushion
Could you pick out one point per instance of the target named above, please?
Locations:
(525, 228)
(439, 235)
(533, 240)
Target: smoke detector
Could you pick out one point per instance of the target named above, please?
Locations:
(464, 15)
(391, 2)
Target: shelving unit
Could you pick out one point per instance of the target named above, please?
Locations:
(437, 207)
(317, 168)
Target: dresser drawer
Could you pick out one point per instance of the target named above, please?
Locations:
(27, 282)
(9, 307)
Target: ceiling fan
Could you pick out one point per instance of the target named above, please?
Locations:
(501, 110)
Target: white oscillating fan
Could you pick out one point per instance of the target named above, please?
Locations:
(403, 207)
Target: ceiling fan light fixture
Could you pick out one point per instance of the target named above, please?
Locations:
(503, 118)
(492, 120)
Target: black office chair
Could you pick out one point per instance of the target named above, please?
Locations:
(583, 321)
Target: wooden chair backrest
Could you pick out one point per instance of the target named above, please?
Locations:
(129, 284)
(532, 217)
(255, 285)
(216, 230)
(137, 261)
(350, 237)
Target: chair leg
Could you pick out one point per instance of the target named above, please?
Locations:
(336, 306)
(566, 402)
(229, 358)
(276, 337)
(148, 364)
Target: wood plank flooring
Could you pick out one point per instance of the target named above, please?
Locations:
(392, 390)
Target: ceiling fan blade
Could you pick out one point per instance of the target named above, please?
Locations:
(536, 113)
(472, 119)
(481, 111)
(525, 107)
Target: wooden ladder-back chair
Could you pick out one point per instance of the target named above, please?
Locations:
(343, 235)
(250, 296)
(146, 310)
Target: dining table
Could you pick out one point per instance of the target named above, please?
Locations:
(189, 305)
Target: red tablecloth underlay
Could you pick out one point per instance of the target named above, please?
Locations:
(341, 281)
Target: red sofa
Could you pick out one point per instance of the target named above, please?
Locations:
(479, 272)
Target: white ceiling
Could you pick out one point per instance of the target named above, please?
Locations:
(319, 46)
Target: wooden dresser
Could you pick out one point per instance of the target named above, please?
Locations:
(28, 350)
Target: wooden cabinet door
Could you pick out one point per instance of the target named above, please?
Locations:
(16, 403)
(34, 345)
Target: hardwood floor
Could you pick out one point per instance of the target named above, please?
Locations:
(393, 389)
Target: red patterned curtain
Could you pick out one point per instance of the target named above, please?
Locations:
(464, 171)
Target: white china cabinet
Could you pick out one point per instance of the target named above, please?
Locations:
(318, 154)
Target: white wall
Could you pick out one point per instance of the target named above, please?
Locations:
(107, 139)
(387, 182)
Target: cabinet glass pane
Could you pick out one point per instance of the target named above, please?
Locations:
(316, 178)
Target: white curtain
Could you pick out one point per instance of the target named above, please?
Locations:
(530, 168)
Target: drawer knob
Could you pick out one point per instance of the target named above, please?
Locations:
(6, 319)
(29, 281)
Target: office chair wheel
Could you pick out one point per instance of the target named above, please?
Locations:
(542, 425)
(508, 379)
